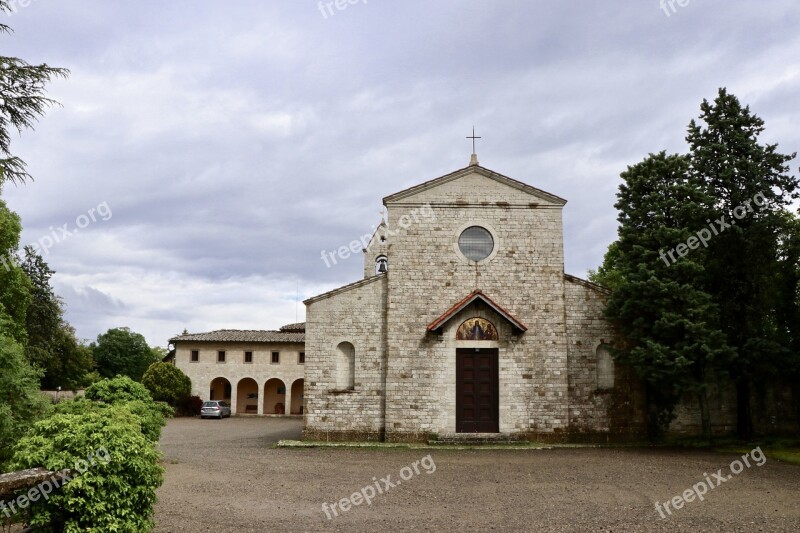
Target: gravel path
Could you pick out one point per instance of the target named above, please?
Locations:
(223, 476)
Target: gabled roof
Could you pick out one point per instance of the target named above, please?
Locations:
(235, 335)
(586, 283)
(477, 294)
(299, 327)
(345, 288)
(476, 169)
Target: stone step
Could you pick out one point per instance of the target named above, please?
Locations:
(449, 439)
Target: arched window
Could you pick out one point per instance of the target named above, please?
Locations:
(345, 366)
(605, 368)
(381, 264)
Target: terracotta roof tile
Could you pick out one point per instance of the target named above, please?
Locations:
(235, 335)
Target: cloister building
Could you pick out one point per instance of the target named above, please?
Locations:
(257, 372)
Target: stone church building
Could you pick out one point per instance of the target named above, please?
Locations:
(465, 322)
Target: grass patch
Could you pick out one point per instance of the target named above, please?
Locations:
(788, 456)
(781, 449)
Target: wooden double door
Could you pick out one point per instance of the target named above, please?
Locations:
(477, 398)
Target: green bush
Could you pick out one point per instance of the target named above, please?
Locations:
(78, 406)
(21, 403)
(117, 469)
(118, 389)
(152, 415)
(122, 390)
(190, 406)
(167, 383)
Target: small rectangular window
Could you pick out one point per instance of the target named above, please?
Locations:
(248, 357)
(195, 356)
(221, 356)
(276, 358)
(301, 359)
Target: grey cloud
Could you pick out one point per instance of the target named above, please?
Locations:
(237, 141)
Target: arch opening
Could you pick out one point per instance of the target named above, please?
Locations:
(247, 397)
(275, 397)
(297, 397)
(220, 389)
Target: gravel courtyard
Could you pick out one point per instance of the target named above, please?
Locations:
(223, 476)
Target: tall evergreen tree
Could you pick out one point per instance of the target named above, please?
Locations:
(22, 101)
(788, 308)
(747, 187)
(43, 318)
(52, 344)
(670, 324)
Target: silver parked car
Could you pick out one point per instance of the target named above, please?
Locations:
(215, 409)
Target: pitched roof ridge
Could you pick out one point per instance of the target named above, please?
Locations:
(521, 185)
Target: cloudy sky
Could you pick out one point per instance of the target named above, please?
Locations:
(229, 143)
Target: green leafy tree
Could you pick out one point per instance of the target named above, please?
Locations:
(22, 102)
(120, 351)
(15, 287)
(167, 383)
(670, 325)
(21, 403)
(732, 168)
(74, 361)
(115, 467)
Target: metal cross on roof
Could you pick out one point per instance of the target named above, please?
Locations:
(473, 139)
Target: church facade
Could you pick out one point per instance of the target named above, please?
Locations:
(465, 322)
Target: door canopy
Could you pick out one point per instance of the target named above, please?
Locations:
(437, 325)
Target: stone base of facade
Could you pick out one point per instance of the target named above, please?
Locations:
(343, 436)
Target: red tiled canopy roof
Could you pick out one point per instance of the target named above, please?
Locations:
(477, 294)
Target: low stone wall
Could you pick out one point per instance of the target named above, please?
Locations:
(60, 396)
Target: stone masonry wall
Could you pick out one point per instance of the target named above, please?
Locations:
(353, 314)
(597, 414)
(427, 275)
(774, 410)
